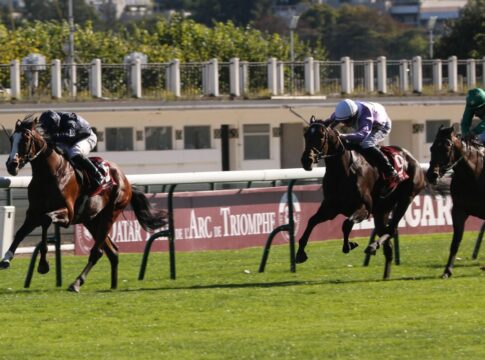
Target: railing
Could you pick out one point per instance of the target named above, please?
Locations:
(173, 180)
(251, 79)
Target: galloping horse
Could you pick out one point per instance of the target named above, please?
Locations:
(56, 195)
(467, 188)
(351, 186)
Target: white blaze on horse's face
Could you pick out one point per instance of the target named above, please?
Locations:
(16, 138)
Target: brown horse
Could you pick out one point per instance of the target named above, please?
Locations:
(467, 188)
(56, 195)
(352, 187)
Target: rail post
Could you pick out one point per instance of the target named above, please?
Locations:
(170, 233)
(290, 227)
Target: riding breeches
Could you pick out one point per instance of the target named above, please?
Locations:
(82, 147)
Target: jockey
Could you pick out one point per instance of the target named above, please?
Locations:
(73, 134)
(370, 124)
(475, 106)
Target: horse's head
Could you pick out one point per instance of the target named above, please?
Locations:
(320, 141)
(443, 155)
(27, 144)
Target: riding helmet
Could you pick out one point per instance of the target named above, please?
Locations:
(475, 98)
(345, 110)
(50, 120)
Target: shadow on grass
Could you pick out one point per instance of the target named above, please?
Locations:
(287, 283)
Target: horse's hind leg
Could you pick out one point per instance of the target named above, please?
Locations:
(347, 226)
(111, 251)
(94, 256)
(325, 212)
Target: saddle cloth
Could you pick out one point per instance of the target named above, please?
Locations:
(396, 157)
(103, 167)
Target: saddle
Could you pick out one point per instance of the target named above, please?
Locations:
(397, 160)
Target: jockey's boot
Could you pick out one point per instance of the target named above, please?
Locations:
(390, 176)
(95, 176)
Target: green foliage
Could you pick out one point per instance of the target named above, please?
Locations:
(220, 307)
(465, 37)
(179, 38)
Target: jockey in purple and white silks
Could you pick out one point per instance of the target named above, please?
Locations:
(369, 125)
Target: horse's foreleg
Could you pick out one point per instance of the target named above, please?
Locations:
(380, 221)
(43, 267)
(459, 217)
(347, 226)
(323, 213)
(59, 217)
(111, 251)
(388, 255)
(26, 228)
(94, 256)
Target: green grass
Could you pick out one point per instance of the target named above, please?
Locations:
(220, 307)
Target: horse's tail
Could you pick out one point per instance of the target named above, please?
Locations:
(148, 217)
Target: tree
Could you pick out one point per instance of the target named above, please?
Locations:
(464, 37)
(359, 32)
(43, 10)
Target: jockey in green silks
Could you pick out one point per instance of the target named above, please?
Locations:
(475, 106)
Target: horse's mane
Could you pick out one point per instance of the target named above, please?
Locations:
(28, 120)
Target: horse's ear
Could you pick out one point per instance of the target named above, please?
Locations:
(17, 124)
(456, 127)
(312, 119)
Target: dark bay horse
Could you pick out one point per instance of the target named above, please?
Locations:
(56, 195)
(467, 188)
(352, 187)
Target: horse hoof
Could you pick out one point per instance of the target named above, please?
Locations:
(353, 245)
(73, 288)
(43, 268)
(4, 265)
(446, 275)
(301, 257)
(369, 250)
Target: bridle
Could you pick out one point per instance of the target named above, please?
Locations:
(320, 151)
(28, 156)
(444, 168)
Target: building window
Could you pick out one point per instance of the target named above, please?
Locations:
(432, 127)
(119, 139)
(158, 138)
(197, 137)
(256, 141)
(5, 145)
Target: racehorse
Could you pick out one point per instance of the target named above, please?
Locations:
(467, 188)
(56, 195)
(352, 187)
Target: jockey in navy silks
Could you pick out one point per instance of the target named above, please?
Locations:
(74, 135)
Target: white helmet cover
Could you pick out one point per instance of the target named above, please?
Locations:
(345, 110)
